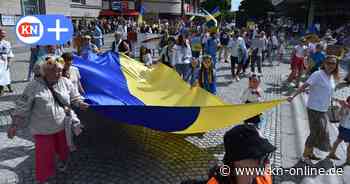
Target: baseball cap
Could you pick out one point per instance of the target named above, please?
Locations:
(244, 142)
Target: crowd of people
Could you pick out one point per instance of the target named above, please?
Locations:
(193, 51)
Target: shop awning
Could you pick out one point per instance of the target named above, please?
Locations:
(114, 13)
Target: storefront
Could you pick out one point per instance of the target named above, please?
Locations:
(115, 8)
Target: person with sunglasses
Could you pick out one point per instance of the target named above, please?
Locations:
(43, 106)
(322, 85)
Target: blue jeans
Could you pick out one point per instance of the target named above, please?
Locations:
(184, 71)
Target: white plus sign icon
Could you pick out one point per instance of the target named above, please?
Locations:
(57, 29)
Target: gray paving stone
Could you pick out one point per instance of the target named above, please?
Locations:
(155, 157)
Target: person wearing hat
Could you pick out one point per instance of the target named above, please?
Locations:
(321, 84)
(43, 107)
(244, 148)
(5, 56)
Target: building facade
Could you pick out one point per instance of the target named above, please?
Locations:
(11, 10)
(328, 13)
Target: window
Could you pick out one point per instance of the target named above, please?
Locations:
(79, 1)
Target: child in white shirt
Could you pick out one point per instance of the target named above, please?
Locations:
(253, 94)
(344, 131)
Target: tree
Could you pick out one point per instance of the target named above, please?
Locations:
(224, 5)
(254, 9)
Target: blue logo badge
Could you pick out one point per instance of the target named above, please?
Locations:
(44, 29)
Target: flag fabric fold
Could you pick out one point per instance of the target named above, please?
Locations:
(216, 12)
(125, 91)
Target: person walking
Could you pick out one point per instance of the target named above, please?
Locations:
(182, 57)
(321, 84)
(44, 103)
(5, 57)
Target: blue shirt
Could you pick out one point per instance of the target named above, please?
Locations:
(318, 58)
(211, 46)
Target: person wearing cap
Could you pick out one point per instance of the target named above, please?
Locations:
(43, 107)
(5, 57)
(321, 84)
(244, 148)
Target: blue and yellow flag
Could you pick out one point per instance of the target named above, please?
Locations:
(124, 90)
(216, 12)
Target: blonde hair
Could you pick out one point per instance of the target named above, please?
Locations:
(51, 63)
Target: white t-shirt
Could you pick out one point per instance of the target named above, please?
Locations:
(74, 76)
(300, 51)
(233, 45)
(251, 95)
(321, 90)
(183, 54)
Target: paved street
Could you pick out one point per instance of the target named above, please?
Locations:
(117, 153)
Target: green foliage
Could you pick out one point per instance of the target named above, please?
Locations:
(224, 5)
(255, 9)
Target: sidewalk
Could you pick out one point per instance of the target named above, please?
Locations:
(130, 154)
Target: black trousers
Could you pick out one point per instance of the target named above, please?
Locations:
(256, 60)
(234, 61)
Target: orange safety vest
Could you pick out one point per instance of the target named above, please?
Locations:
(266, 179)
(213, 181)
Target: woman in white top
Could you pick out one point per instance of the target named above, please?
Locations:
(182, 58)
(321, 85)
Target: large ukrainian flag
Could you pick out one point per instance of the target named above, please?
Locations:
(124, 90)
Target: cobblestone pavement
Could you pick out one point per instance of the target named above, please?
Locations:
(117, 153)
